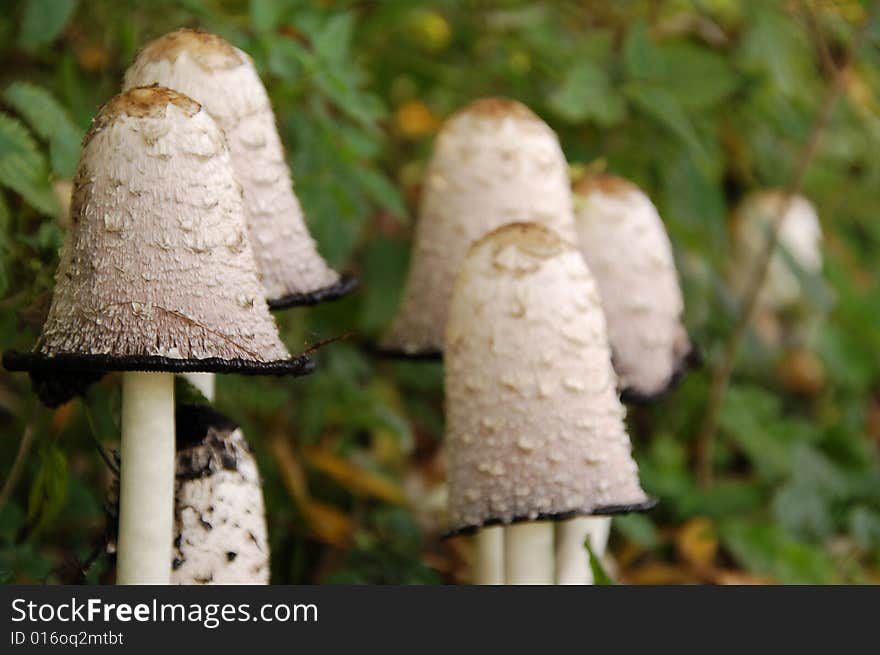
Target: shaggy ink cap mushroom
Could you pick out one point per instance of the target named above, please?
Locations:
(800, 234)
(220, 534)
(223, 79)
(535, 429)
(156, 272)
(495, 162)
(624, 242)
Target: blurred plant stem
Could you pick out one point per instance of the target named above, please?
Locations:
(24, 447)
(705, 444)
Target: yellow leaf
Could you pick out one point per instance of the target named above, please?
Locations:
(327, 524)
(415, 119)
(291, 471)
(697, 542)
(353, 477)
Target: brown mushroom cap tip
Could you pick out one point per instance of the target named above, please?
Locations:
(498, 107)
(604, 183)
(224, 80)
(210, 51)
(141, 102)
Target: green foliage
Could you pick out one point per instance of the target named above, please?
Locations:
(698, 102)
(23, 168)
(43, 21)
(600, 576)
(49, 488)
(50, 121)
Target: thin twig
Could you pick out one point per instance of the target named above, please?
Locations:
(721, 377)
(93, 435)
(816, 35)
(24, 447)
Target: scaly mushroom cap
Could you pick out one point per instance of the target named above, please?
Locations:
(625, 245)
(534, 428)
(800, 234)
(223, 79)
(219, 517)
(494, 163)
(156, 272)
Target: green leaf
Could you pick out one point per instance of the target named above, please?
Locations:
(864, 524)
(637, 528)
(51, 121)
(382, 192)
(767, 549)
(777, 47)
(586, 94)
(694, 75)
(384, 269)
(49, 489)
(754, 420)
(333, 41)
(600, 576)
(23, 167)
(266, 15)
(699, 78)
(43, 21)
(657, 103)
(641, 60)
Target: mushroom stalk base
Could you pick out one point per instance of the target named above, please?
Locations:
(528, 553)
(572, 559)
(146, 481)
(204, 382)
(489, 568)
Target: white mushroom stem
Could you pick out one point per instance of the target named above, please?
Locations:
(146, 481)
(489, 568)
(204, 382)
(528, 553)
(572, 560)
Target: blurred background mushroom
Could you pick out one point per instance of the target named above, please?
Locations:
(534, 427)
(625, 245)
(140, 289)
(495, 162)
(787, 311)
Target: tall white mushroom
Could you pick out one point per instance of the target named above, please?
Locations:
(534, 427)
(156, 277)
(625, 245)
(223, 79)
(219, 515)
(495, 162)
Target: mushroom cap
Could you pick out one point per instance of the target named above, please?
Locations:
(495, 162)
(223, 79)
(156, 272)
(534, 427)
(800, 233)
(623, 240)
(219, 515)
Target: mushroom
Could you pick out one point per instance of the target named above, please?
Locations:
(219, 517)
(495, 162)
(800, 235)
(625, 245)
(223, 79)
(156, 277)
(534, 427)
